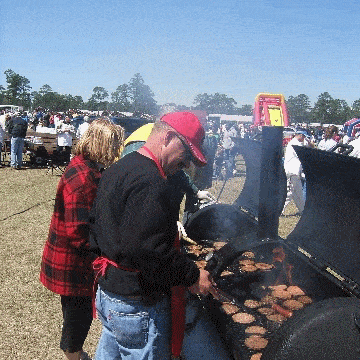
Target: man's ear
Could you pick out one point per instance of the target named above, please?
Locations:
(168, 137)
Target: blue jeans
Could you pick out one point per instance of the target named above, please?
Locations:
(17, 146)
(132, 330)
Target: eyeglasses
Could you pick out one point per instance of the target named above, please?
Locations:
(188, 154)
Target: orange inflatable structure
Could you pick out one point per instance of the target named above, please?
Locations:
(270, 110)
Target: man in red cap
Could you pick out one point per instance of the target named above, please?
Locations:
(134, 234)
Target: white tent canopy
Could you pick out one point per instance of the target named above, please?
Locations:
(225, 118)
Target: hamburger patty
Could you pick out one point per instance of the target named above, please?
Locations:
(266, 311)
(229, 308)
(268, 299)
(304, 299)
(256, 342)
(252, 304)
(246, 262)
(226, 273)
(256, 356)
(264, 266)
(295, 290)
(255, 330)
(248, 254)
(248, 268)
(281, 294)
(243, 318)
(276, 318)
(293, 304)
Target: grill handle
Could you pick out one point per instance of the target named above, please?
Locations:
(357, 321)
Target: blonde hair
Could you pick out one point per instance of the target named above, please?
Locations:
(102, 142)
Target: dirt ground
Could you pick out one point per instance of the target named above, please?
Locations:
(31, 315)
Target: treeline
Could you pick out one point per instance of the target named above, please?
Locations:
(326, 109)
(137, 97)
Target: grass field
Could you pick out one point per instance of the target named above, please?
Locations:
(31, 315)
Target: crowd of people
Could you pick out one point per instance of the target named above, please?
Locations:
(67, 126)
(330, 139)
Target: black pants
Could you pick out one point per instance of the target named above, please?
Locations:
(64, 153)
(77, 315)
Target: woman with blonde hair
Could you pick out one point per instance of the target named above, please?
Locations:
(66, 267)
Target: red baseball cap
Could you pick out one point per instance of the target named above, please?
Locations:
(189, 126)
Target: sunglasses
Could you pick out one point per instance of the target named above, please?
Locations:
(188, 154)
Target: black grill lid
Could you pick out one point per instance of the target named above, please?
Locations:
(328, 330)
(249, 196)
(329, 228)
(265, 183)
(219, 221)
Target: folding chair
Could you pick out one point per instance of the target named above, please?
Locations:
(57, 161)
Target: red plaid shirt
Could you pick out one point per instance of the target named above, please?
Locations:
(66, 267)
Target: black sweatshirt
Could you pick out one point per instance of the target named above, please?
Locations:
(134, 224)
(17, 127)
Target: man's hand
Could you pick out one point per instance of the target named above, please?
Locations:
(205, 285)
(205, 196)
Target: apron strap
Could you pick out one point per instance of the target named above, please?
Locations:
(178, 309)
(100, 266)
(156, 161)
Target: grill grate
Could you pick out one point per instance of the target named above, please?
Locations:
(268, 273)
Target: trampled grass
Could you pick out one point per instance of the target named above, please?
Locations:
(30, 314)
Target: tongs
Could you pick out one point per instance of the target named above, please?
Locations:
(223, 297)
(183, 234)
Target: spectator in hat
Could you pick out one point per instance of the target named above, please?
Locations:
(135, 235)
(66, 267)
(294, 173)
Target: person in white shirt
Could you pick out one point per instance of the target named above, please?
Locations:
(328, 142)
(356, 145)
(57, 119)
(228, 146)
(83, 127)
(293, 170)
(65, 131)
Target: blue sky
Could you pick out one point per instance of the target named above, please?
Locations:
(184, 48)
